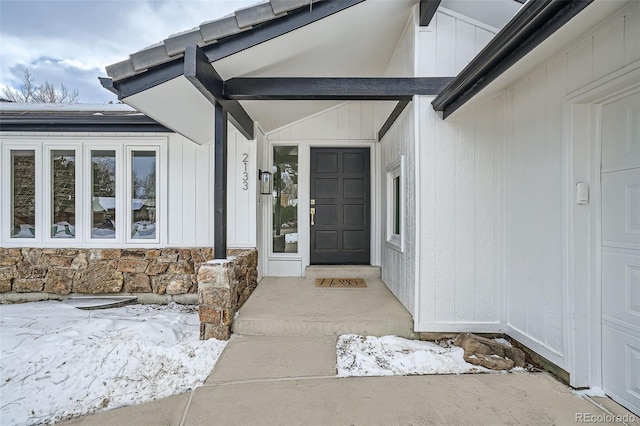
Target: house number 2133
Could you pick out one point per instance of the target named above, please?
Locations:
(245, 173)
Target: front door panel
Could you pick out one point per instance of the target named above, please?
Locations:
(341, 199)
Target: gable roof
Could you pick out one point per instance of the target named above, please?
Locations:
(220, 30)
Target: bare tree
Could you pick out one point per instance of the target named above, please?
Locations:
(30, 92)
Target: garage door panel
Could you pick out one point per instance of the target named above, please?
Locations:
(621, 120)
(621, 366)
(621, 207)
(621, 281)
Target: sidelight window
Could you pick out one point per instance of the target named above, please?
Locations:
(285, 199)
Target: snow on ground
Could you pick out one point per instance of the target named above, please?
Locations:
(395, 356)
(58, 362)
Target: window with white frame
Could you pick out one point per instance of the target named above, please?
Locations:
(395, 202)
(100, 192)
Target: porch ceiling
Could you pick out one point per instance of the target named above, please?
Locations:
(357, 42)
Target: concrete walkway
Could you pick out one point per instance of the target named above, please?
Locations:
(289, 379)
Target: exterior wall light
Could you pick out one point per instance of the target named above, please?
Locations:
(265, 182)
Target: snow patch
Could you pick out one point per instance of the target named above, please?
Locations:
(58, 362)
(396, 356)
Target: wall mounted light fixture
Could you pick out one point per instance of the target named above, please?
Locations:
(265, 182)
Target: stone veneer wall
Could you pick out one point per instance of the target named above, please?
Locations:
(223, 287)
(56, 272)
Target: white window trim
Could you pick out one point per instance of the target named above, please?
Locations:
(87, 195)
(82, 144)
(128, 170)
(47, 187)
(7, 194)
(395, 170)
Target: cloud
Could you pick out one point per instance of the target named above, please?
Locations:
(71, 41)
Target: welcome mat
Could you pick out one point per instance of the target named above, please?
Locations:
(341, 282)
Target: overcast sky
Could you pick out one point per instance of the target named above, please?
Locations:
(71, 41)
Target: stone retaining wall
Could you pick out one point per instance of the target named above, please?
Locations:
(155, 275)
(57, 271)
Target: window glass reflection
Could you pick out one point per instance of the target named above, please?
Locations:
(285, 199)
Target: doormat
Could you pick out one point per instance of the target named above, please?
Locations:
(341, 282)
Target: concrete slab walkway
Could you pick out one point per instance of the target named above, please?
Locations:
(295, 307)
(288, 377)
(265, 380)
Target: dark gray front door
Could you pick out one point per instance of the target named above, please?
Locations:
(340, 195)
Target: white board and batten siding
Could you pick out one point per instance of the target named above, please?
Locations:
(449, 43)
(349, 124)
(191, 190)
(539, 311)
(458, 279)
(494, 198)
(399, 262)
(460, 251)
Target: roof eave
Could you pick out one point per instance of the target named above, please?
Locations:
(162, 72)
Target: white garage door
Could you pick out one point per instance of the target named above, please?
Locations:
(621, 251)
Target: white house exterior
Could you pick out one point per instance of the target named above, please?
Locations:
(514, 208)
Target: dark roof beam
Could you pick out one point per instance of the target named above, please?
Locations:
(332, 89)
(400, 106)
(208, 82)
(427, 11)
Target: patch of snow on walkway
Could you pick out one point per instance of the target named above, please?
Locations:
(396, 356)
(58, 362)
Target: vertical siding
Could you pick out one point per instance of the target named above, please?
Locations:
(348, 121)
(492, 200)
(449, 43)
(534, 178)
(241, 203)
(459, 257)
(190, 194)
(398, 268)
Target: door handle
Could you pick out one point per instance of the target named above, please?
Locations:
(313, 216)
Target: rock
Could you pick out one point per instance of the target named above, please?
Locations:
(100, 278)
(210, 315)
(27, 285)
(132, 265)
(61, 261)
(59, 281)
(155, 268)
(492, 362)
(136, 283)
(110, 254)
(6, 275)
(9, 257)
(80, 262)
(489, 353)
(179, 284)
(183, 267)
(24, 269)
(134, 253)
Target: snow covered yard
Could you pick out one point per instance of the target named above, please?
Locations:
(395, 356)
(58, 362)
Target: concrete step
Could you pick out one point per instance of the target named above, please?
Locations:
(342, 271)
(295, 307)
